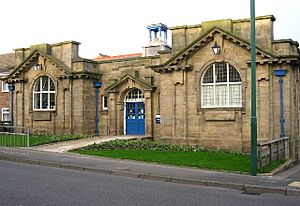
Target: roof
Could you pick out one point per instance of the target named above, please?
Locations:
(128, 76)
(124, 56)
(202, 40)
(234, 21)
(68, 72)
(7, 61)
(18, 69)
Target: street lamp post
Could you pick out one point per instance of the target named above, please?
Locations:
(253, 92)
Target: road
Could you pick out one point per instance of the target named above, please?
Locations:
(30, 185)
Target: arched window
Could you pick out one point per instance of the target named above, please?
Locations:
(44, 94)
(135, 95)
(221, 86)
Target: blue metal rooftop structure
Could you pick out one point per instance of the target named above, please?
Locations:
(158, 28)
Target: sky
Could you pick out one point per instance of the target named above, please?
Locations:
(115, 27)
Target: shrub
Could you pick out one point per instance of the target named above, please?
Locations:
(145, 145)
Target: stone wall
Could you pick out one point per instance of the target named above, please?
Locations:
(182, 36)
(113, 72)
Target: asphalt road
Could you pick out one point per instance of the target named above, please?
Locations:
(30, 185)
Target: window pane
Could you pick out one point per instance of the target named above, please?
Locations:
(5, 114)
(221, 95)
(221, 86)
(4, 87)
(235, 95)
(44, 101)
(104, 102)
(221, 72)
(45, 83)
(207, 95)
(36, 101)
(37, 85)
(208, 76)
(135, 95)
(44, 94)
(6, 117)
(52, 101)
(52, 88)
(234, 75)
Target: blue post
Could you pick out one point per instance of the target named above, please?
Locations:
(11, 88)
(281, 73)
(282, 133)
(97, 86)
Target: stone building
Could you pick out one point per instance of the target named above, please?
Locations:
(183, 93)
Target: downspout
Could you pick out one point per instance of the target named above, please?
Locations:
(97, 86)
(11, 88)
(281, 73)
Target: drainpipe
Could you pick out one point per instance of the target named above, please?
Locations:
(97, 86)
(281, 73)
(11, 88)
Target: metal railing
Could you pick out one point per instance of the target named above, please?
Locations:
(270, 151)
(14, 136)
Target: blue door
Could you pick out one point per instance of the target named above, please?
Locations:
(135, 118)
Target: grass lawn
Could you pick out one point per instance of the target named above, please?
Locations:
(34, 140)
(209, 160)
(13, 141)
(179, 155)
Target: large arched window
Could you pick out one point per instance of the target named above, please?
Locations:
(221, 86)
(44, 94)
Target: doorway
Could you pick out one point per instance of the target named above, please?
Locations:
(135, 113)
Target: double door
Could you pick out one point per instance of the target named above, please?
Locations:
(135, 118)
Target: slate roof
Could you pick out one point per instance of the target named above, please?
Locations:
(7, 61)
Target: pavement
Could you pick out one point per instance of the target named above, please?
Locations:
(286, 182)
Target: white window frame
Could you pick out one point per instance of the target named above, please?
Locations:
(5, 85)
(135, 95)
(215, 83)
(104, 107)
(41, 92)
(5, 111)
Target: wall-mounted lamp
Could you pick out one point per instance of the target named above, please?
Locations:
(216, 48)
(37, 66)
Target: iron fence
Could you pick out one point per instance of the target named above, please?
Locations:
(14, 136)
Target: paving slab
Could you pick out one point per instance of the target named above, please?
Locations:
(75, 144)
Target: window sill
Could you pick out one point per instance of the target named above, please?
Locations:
(43, 110)
(221, 109)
